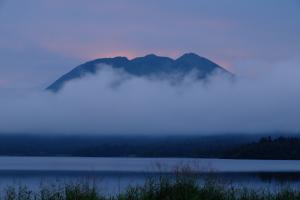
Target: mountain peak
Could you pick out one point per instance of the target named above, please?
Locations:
(152, 55)
(148, 65)
(190, 56)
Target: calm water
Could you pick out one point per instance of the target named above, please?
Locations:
(113, 175)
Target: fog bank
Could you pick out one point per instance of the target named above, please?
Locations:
(113, 102)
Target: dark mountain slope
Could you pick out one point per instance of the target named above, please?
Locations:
(86, 68)
(144, 66)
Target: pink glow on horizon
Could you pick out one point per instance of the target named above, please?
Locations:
(86, 52)
(224, 63)
(134, 54)
(173, 54)
(2, 82)
(128, 54)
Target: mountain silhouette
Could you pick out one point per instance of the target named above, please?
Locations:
(148, 65)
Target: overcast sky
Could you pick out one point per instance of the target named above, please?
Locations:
(42, 39)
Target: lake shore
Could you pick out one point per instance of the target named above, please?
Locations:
(182, 185)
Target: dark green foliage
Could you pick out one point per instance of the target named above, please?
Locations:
(79, 192)
(281, 148)
(20, 193)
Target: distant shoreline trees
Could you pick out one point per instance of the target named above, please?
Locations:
(280, 148)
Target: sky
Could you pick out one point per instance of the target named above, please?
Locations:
(42, 39)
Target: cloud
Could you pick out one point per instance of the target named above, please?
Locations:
(113, 102)
(53, 35)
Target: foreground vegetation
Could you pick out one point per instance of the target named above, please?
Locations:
(182, 185)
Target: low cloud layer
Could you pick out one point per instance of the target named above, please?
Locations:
(113, 102)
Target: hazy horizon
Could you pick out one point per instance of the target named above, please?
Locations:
(42, 40)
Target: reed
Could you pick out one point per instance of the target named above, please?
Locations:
(181, 185)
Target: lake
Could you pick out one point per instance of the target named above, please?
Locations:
(112, 175)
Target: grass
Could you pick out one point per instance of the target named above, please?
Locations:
(182, 185)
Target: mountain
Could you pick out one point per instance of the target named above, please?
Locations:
(145, 66)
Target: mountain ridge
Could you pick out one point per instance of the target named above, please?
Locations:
(147, 65)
